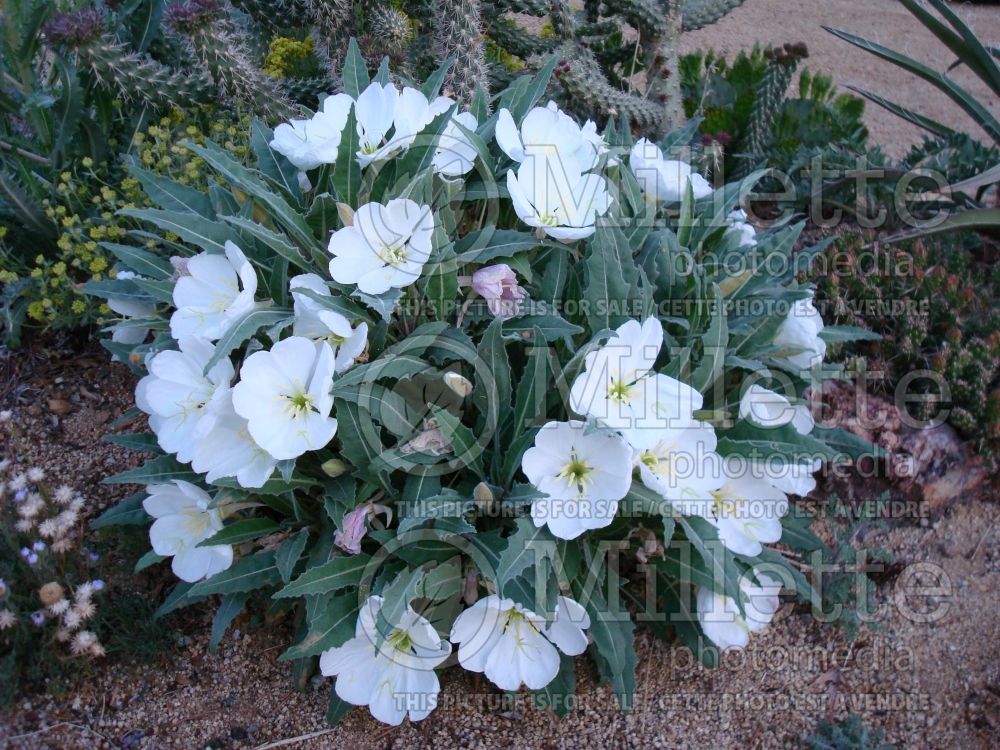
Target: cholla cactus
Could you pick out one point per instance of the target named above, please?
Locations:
(212, 42)
(460, 36)
(601, 58)
(129, 75)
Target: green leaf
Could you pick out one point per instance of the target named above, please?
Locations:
(129, 512)
(560, 694)
(243, 329)
(526, 548)
(141, 261)
(272, 164)
(355, 73)
(546, 328)
(246, 574)
(144, 441)
(614, 644)
(797, 534)
(432, 86)
(484, 245)
(171, 195)
(180, 596)
(155, 471)
(492, 395)
(717, 559)
(336, 709)
(271, 240)
(208, 234)
(339, 573)
(230, 606)
(250, 182)
(466, 447)
(848, 443)
(606, 292)
(147, 560)
(289, 553)
(331, 626)
(714, 341)
(241, 531)
(347, 172)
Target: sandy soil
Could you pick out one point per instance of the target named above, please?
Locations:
(775, 22)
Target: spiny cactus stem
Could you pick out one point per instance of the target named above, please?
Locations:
(662, 58)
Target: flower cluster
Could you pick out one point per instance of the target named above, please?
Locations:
(46, 537)
(443, 474)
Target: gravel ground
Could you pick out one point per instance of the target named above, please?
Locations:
(775, 22)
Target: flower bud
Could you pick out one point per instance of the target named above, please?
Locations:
(461, 385)
(483, 495)
(346, 214)
(334, 468)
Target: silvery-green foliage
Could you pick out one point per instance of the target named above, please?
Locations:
(420, 497)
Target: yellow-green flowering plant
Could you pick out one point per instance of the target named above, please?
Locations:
(469, 387)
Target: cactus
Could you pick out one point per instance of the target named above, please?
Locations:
(781, 65)
(213, 43)
(138, 77)
(459, 36)
(601, 58)
(698, 14)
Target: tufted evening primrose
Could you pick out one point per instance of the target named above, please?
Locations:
(386, 247)
(513, 646)
(409, 389)
(184, 518)
(395, 679)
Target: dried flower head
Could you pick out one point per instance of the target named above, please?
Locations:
(50, 593)
(83, 642)
(85, 610)
(36, 474)
(75, 29)
(7, 619)
(192, 14)
(64, 495)
(60, 607)
(72, 619)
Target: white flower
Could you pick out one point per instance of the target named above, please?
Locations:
(309, 143)
(584, 476)
(664, 180)
(386, 246)
(316, 322)
(800, 331)
(284, 394)
(742, 229)
(396, 679)
(720, 618)
(208, 299)
(455, 154)
(556, 199)
(179, 397)
(765, 408)
(413, 113)
(549, 133)
(183, 519)
(227, 449)
(683, 467)
(130, 308)
(374, 110)
(747, 510)
(514, 646)
(619, 389)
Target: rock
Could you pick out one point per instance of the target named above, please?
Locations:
(60, 406)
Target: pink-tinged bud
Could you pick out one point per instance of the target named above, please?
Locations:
(355, 527)
(180, 266)
(498, 286)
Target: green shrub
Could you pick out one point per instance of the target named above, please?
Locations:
(42, 286)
